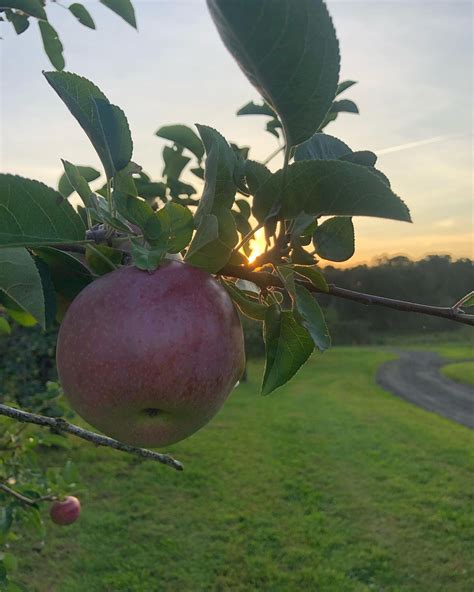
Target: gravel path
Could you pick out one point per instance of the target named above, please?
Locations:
(415, 377)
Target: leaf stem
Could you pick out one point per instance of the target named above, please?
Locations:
(248, 236)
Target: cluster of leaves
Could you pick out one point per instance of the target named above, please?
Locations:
(20, 12)
(144, 221)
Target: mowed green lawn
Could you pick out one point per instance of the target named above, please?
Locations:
(329, 484)
(460, 372)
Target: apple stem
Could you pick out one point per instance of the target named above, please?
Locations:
(61, 425)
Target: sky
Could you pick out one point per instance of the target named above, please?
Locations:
(413, 61)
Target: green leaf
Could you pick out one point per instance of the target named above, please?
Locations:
(247, 305)
(219, 188)
(321, 147)
(174, 162)
(255, 109)
(102, 259)
(344, 106)
(10, 562)
(342, 86)
(32, 214)
(216, 251)
(312, 317)
(312, 274)
(117, 136)
(287, 347)
(184, 136)
(82, 15)
(244, 208)
(329, 188)
(19, 21)
(31, 7)
(180, 224)
(68, 274)
(123, 8)
(334, 239)
(52, 44)
(256, 174)
(74, 177)
(5, 328)
(146, 258)
(86, 102)
(363, 157)
(272, 126)
(21, 281)
(149, 189)
(134, 209)
(468, 300)
(49, 294)
(289, 51)
(207, 232)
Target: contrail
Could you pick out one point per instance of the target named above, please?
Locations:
(416, 144)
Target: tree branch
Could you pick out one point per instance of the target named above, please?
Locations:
(63, 426)
(264, 279)
(26, 500)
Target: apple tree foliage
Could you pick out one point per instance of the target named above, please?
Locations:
(50, 250)
(21, 13)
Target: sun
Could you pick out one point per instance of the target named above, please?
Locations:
(257, 245)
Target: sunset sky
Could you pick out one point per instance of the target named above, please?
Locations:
(413, 61)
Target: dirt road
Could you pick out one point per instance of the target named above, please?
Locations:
(415, 376)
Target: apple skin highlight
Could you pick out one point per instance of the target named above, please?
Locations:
(149, 358)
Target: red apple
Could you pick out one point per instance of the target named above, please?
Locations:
(149, 358)
(66, 511)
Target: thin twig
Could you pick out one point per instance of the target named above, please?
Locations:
(264, 279)
(64, 426)
(273, 154)
(26, 500)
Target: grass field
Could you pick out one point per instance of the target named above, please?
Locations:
(461, 372)
(330, 485)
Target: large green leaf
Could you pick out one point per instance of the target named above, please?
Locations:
(31, 7)
(82, 15)
(184, 136)
(104, 125)
(117, 136)
(329, 188)
(78, 175)
(289, 51)
(334, 239)
(312, 317)
(219, 188)
(209, 251)
(287, 347)
(68, 274)
(321, 147)
(123, 8)
(52, 44)
(33, 214)
(21, 281)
